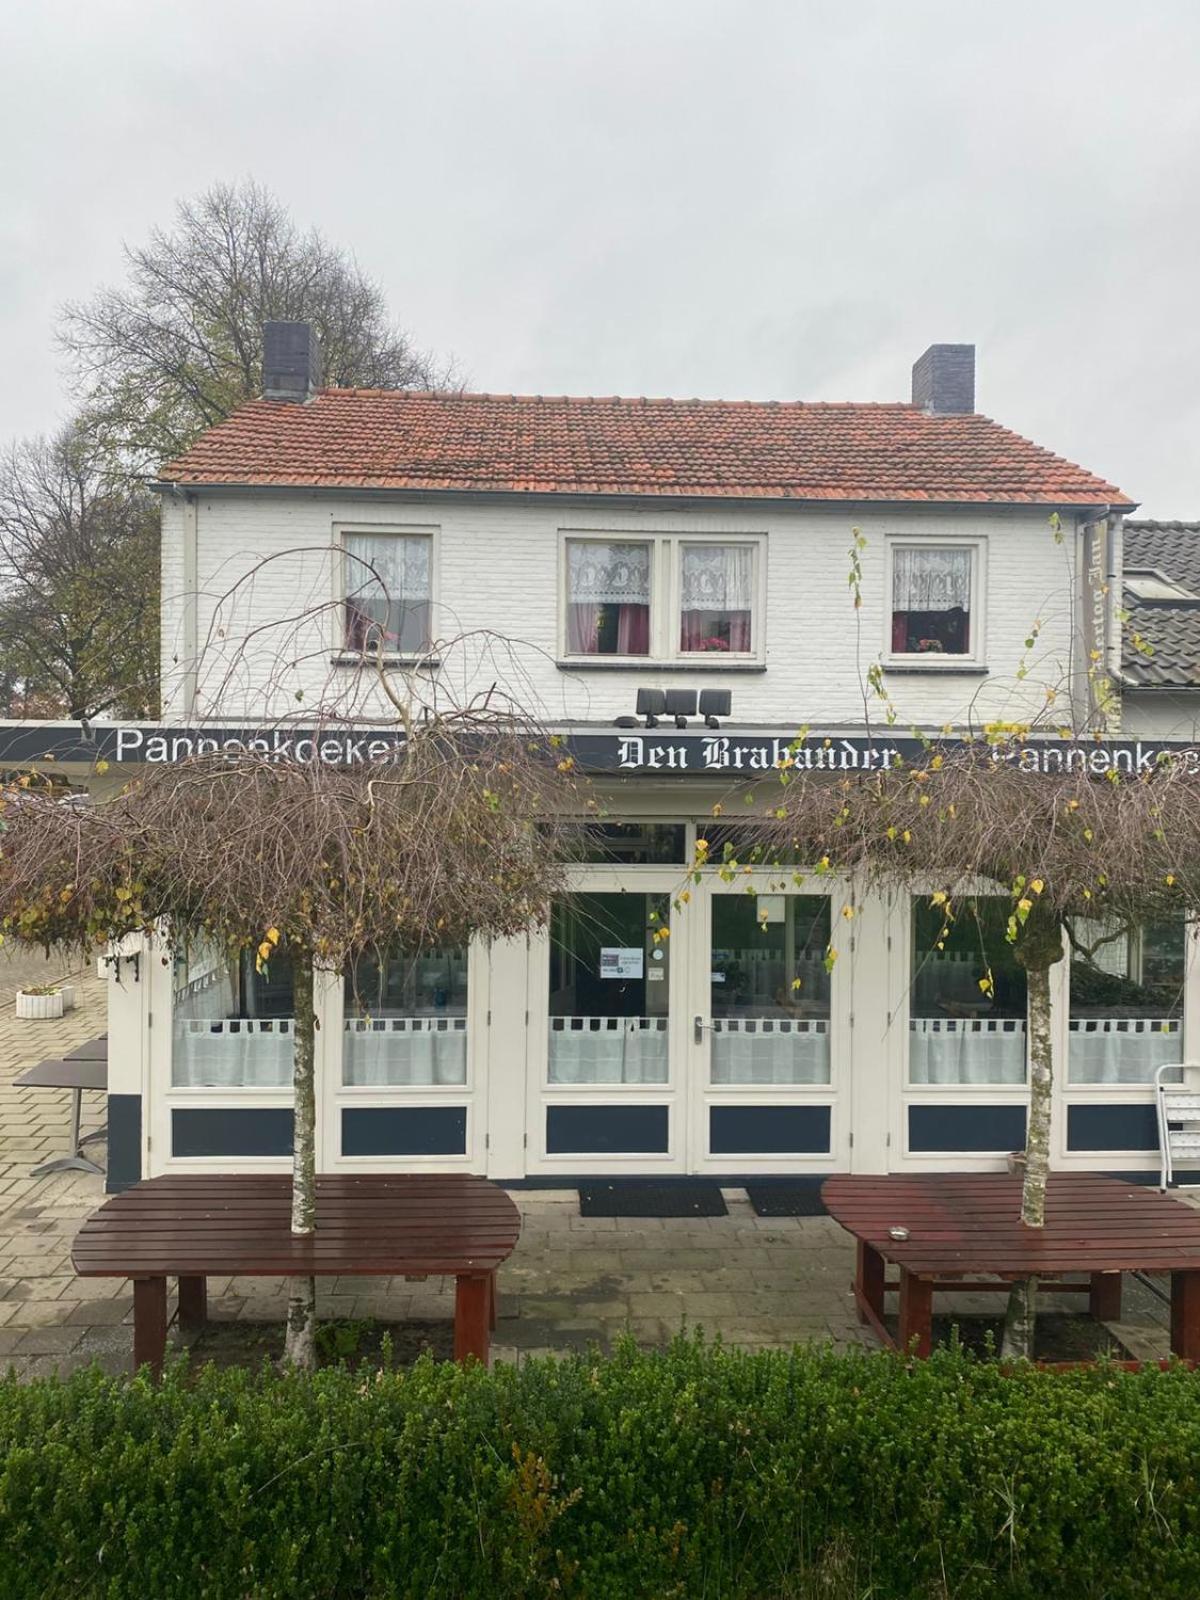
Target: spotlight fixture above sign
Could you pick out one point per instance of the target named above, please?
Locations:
(679, 704)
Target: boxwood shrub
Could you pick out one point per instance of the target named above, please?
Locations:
(690, 1472)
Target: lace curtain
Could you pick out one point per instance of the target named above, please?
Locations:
(717, 577)
(927, 578)
(608, 574)
(389, 605)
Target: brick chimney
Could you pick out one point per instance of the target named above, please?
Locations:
(943, 380)
(291, 361)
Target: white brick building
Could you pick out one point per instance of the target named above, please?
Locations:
(578, 552)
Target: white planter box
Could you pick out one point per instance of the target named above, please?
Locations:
(39, 1007)
(68, 994)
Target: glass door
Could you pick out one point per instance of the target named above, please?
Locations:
(766, 1034)
(606, 1027)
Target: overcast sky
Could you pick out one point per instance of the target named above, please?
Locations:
(767, 199)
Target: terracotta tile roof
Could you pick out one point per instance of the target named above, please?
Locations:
(401, 439)
(1169, 630)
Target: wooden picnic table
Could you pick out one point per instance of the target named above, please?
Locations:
(192, 1226)
(78, 1075)
(961, 1225)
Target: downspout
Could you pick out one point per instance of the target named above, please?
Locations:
(191, 606)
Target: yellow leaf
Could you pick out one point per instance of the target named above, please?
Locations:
(264, 951)
(1038, 885)
(102, 766)
(273, 935)
(797, 983)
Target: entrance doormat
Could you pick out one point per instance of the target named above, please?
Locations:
(651, 1200)
(786, 1199)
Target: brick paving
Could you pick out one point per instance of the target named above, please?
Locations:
(573, 1280)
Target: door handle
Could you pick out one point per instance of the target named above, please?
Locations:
(698, 1027)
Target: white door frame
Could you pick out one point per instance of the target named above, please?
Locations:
(541, 1094)
(704, 1095)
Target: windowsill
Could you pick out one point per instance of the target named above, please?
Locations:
(713, 663)
(355, 658)
(953, 665)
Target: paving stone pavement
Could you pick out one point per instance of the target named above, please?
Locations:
(573, 1281)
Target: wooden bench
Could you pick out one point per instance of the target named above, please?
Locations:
(194, 1226)
(960, 1225)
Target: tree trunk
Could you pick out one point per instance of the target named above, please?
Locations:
(1039, 949)
(300, 1346)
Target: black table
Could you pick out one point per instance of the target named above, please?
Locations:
(77, 1076)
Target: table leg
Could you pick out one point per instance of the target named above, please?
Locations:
(1104, 1296)
(870, 1273)
(471, 1317)
(193, 1303)
(916, 1313)
(1185, 1315)
(149, 1324)
(76, 1161)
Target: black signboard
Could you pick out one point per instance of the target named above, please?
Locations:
(642, 752)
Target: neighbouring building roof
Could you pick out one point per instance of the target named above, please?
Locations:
(1162, 598)
(533, 444)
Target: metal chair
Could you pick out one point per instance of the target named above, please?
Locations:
(1178, 1106)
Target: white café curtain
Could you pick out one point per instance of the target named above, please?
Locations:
(929, 578)
(608, 1050)
(405, 1051)
(717, 577)
(966, 1050)
(764, 1050)
(601, 574)
(232, 1053)
(1121, 1049)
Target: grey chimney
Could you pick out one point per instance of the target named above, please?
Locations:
(943, 380)
(291, 361)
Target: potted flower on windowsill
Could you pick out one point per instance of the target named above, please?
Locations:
(40, 1002)
(713, 643)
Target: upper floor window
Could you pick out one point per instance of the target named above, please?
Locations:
(608, 598)
(662, 597)
(716, 598)
(388, 587)
(934, 600)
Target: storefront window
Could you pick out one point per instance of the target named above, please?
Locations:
(630, 844)
(959, 1031)
(609, 989)
(406, 1018)
(231, 1026)
(769, 989)
(1126, 1000)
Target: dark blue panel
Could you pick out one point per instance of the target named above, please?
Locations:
(954, 1129)
(768, 1130)
(607, 1130)
(404, 1131)
(232, 1131)
(124, 1141)
(1112, 1128)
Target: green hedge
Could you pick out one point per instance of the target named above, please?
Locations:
(691, 1472)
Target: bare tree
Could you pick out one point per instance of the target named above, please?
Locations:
(179, 346)
(79, 586)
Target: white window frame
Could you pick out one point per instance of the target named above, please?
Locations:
(976, 657)
(666, 561)
(345, 653)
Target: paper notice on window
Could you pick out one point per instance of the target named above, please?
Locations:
(621, 962)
